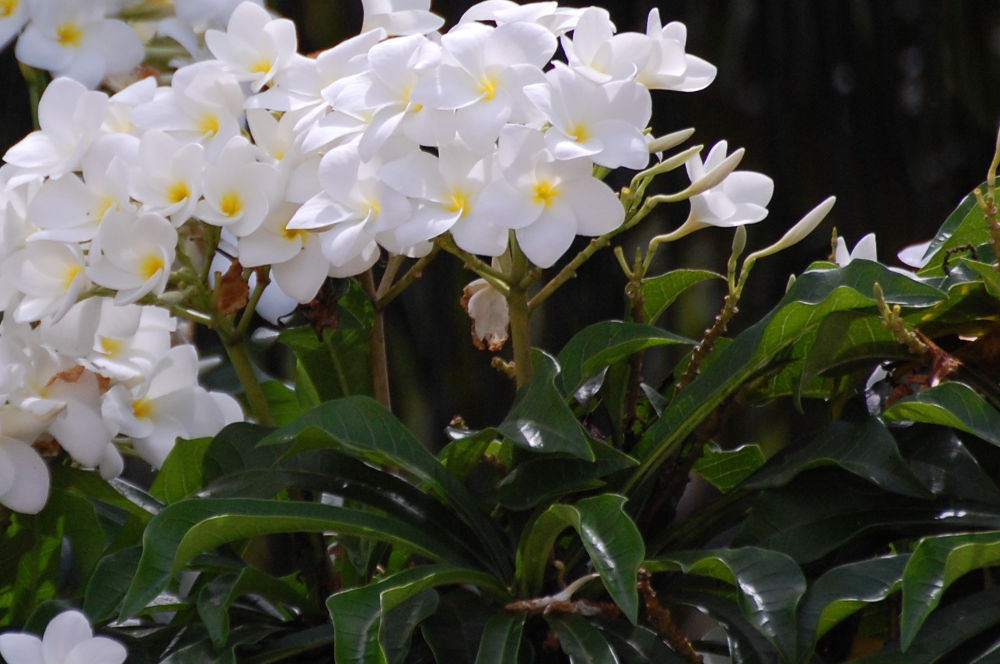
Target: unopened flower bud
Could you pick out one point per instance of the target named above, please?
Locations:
(799, 231)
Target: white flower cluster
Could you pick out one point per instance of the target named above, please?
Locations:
(68, 639)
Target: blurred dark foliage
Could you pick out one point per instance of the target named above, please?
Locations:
(891, 105)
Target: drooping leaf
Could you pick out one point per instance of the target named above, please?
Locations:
(725, 469)
(454, 631)
(605, 343)
(944, 465)
(610, 537)
(770, 585)
(966, 225)
(842, 590)
(236, 448)
(501, 638)
(935, 564)
(747, 645)
(551, 476)
(110, 582)
(865, 449)
(182, 473)
(361, 427)
(187, 528)
(950, 404)
(358, 613)
(581, 640)
(399, 624)
(946, 631)
(282, 401)
(813, 296)
(637, 644)
(658, 293)
(540, 420)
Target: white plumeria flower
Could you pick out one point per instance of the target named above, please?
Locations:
(73, 38)
(558, 20)
(741, 198)
(68, 639)
(133, 254)
(237, 189)
(204, 102)
(597, 53)
(603, 123)
(356, 207)
(483, 75)
(254, 46)
(668, 66)
(547, 201)
(168, 179)
(400, 17)
(70, 118)
(863, 250)
(79, 427)
(24, 487)
(295, 256)
(13, 16)
(447, 188)
(50, 275)
(487, 307)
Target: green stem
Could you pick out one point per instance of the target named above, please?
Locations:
(520, 312)
(36, 80)
(239, 356)
(387, 292)
(262, 281)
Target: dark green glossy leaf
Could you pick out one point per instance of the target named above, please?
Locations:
(109, 583)
(965, 225)
(605, 343)
(725, 469)
(185, 529)
(551, 476)
(636, 644)
(946, 631)
(945, 466)
(770, 585)
(91, 485)
(454, 631)
(284, 648)
(236, 448)
(540, 420)
(866, 449)
(463, 454)
(615, 546)
(181, 475)
(363, 428)
(810, 299)
(842, 590)
(501, 640)
(747, 645)
(950, 404)
(358, 613)
(581, 641)
(823, 509)
(658, 293)
(282, 401)
(935, 564)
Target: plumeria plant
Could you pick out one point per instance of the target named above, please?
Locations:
(191, 170)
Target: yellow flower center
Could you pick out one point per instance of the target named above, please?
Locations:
(142, 408)
(457, 200)
(291, 234)
(488, 86)
(231, 204)
(209, 124)
(178, 191)
(261, 66)
(8, 7)
(69, 276)
(103, 206)
(151, 264)
(69, 34)
(110, 346)
(579, 132)
(545, 193)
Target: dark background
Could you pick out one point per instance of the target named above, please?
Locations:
(891, 105)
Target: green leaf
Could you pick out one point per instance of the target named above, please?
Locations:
(552, 476)
(282, 401)
(399, 624)
(610, 537)
(843, 590)
(725, 469)
(935, 564)
(605, 343)
(358, 613)
(501, 639)
(965, 225)
(950, 404)
(190, 527)
(770, 585)
(181, 474)
(658, 293)
(540, 420)
(945, 466)
(810, 299)
(361, 427)
(636, 644)
(454, 631)
(866, 449)
(581, 641)
(237, 448)
(946, 632)
(109, 583)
